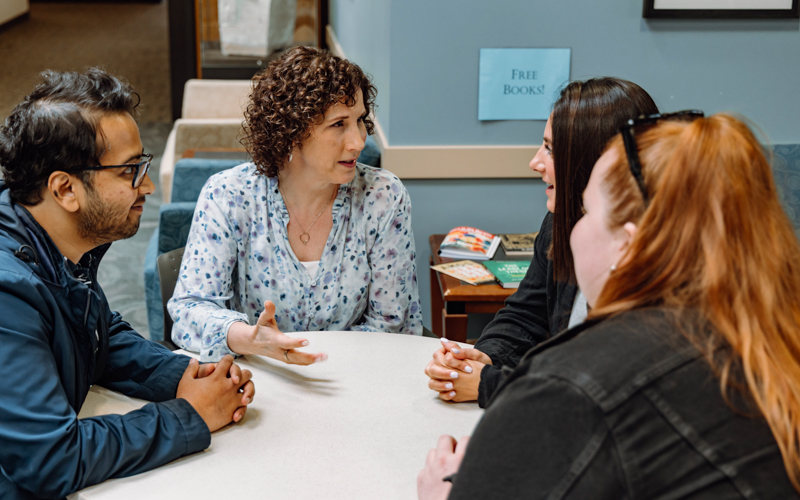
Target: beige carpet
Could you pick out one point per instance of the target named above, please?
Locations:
(126, 39)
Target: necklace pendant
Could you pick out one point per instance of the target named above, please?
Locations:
(304, 237)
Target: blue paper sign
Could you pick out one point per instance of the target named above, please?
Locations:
(520, 84)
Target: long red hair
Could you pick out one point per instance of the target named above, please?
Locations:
(714, 238)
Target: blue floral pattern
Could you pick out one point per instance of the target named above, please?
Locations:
(238, 256)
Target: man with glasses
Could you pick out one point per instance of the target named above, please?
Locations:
(74, 180)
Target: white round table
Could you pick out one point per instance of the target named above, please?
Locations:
(358, 425)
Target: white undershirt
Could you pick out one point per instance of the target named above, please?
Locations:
(311, 266)
(579, 310)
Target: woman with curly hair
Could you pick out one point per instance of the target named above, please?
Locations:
(304, 238)
(684, 382)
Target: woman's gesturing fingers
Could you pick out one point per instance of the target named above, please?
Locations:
(294, 357)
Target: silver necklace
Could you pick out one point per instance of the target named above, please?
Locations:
(305, 233)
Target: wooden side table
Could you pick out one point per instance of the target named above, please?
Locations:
(453, 300)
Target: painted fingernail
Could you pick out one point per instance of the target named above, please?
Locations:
(448, 385)
(457, 351)
(444, 339)
(249, 400)
(453, 374)
(452, 394)
(468, 369)
(321, 358)
(305, 343)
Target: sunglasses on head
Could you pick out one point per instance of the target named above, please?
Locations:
(139, 171)
(631, 150)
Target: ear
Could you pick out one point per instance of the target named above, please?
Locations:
(626, 234)
(630, 230)
(63, 189)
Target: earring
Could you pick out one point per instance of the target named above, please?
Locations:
(613, 267)
(290, 157)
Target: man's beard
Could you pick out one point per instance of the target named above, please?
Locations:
(104, 223)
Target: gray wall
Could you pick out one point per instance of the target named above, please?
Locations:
(424, 57)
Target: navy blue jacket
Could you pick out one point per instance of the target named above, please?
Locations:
(58, 337)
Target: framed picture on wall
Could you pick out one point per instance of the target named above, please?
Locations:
(721, 9)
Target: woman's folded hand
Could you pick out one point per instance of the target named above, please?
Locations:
(455, 372)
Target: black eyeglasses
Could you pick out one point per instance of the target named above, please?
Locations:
(631, 150)
(139, 169)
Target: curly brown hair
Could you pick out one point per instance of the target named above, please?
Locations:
(292, 94)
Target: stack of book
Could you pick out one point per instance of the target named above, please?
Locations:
(465, 242)
(518, 244)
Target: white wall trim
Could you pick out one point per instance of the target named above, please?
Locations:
(448, 162)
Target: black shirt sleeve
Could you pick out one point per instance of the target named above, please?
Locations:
(523, 322)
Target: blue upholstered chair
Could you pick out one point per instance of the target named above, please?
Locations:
(175, 220)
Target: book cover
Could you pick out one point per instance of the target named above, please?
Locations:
(508, 272)
(518, 244)
(466, 270)
(466, 242)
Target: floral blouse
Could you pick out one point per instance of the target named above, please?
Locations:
(238, 256)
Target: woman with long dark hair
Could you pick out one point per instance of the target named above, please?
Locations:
(585, 116)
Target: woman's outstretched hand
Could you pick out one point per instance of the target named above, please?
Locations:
(455, 372)
(265, 339)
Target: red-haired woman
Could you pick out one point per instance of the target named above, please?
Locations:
(684, 382)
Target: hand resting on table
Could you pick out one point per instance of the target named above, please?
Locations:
(455, 372)
(219, 392)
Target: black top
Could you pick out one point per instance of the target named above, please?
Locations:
(622, 409)
(539, 309)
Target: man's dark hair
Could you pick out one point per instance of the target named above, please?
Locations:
(585, 117)
(291, 95)
(55, 129)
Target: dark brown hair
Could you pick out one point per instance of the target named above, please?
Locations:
(292, 94)
(55, 128)
(586, 115)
